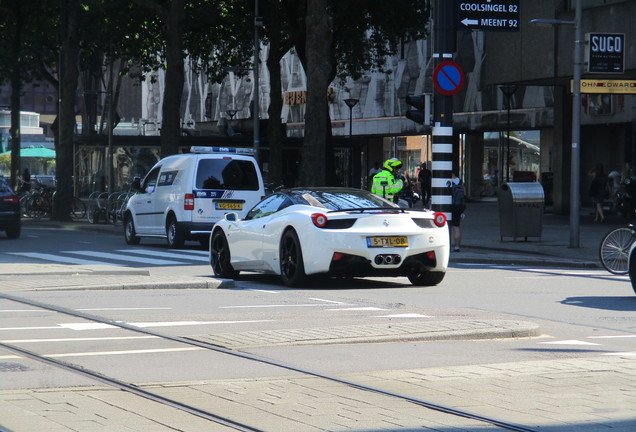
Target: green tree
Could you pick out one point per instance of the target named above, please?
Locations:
(343, 39)
(28, 27)
(205, 30)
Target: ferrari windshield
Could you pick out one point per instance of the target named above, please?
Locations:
(341, 199)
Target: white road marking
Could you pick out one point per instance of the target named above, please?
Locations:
(119, 257)
(101, 326)
(79, 339)
(104, 353)
(146, 351)
(569, 342)
(358, 309)
(409, 315)
(622, 354)
(269, 306)
(87, 309)
(327, 301)
(611, 337)
(60, 258)
(165, 254)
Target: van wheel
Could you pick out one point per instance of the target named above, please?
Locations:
(174, 234)
(220, 256)
(130, 235)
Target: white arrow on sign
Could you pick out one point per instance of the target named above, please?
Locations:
(468, 22)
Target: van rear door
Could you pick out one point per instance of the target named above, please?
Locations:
(225, 184)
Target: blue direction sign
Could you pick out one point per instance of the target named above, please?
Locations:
(500, 15)
(448, 78)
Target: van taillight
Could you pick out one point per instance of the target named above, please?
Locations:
(188, 202)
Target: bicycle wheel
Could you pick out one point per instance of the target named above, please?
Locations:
(614, 250)
(78, 209)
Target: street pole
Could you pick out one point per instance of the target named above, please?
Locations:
(575, 156)
(258, 21)
(508, 91)
(444, 145)
(576, 130)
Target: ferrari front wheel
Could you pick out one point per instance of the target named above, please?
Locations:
(292, 267)
(220, 256)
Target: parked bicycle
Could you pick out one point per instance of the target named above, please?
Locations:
(108, 208)
(38, 203)
(615, 248)
(97, 207)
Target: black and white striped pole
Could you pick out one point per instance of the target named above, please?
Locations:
(447, 80)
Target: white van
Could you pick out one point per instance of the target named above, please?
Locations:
(184, 195)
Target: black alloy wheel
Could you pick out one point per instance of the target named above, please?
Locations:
(292, 266)
(220, 256)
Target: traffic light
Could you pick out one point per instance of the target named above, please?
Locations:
(422, 113)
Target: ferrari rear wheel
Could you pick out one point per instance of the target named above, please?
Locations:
(292, 267)
(427, 278)
(220, 256)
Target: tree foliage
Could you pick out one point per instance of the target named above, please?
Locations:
(28, 29)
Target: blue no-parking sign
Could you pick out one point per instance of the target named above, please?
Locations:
(448, 78)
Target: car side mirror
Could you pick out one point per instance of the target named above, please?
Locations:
(231, 217)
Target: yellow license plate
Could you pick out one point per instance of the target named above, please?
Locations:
(229, 206)
(387, 241)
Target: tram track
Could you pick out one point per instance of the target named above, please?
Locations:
(134, 389)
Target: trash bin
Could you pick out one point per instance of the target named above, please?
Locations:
(520, 209)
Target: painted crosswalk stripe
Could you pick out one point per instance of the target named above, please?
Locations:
(164, 254)
(60, 258)
(119, 257)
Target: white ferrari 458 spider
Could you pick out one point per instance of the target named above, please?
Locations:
(297, 233)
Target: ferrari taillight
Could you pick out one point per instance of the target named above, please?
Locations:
(319, 219)
(439, 219)
(188, 202)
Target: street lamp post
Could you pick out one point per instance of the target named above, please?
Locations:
(258, 22)
(508, 91)
(576, 119)
(351, 103)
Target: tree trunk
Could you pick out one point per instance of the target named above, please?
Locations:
(274, 122)
(173, 87)
(16, 88)
(69, 78)
(318, 47)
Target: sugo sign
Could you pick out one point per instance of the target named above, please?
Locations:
(605, 53)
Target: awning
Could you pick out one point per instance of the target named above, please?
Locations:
(35, 152)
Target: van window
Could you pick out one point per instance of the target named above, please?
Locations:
(230, 174)
(151, 181)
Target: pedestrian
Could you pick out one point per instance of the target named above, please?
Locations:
(458, 207)
(26, 181)
(424, 178)
(387, 183)
(372, 172)
(615, 186)
(599, 191)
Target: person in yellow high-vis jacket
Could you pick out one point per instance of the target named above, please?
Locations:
(385, 183)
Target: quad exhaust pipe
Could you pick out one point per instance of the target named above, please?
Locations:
(387, 259)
